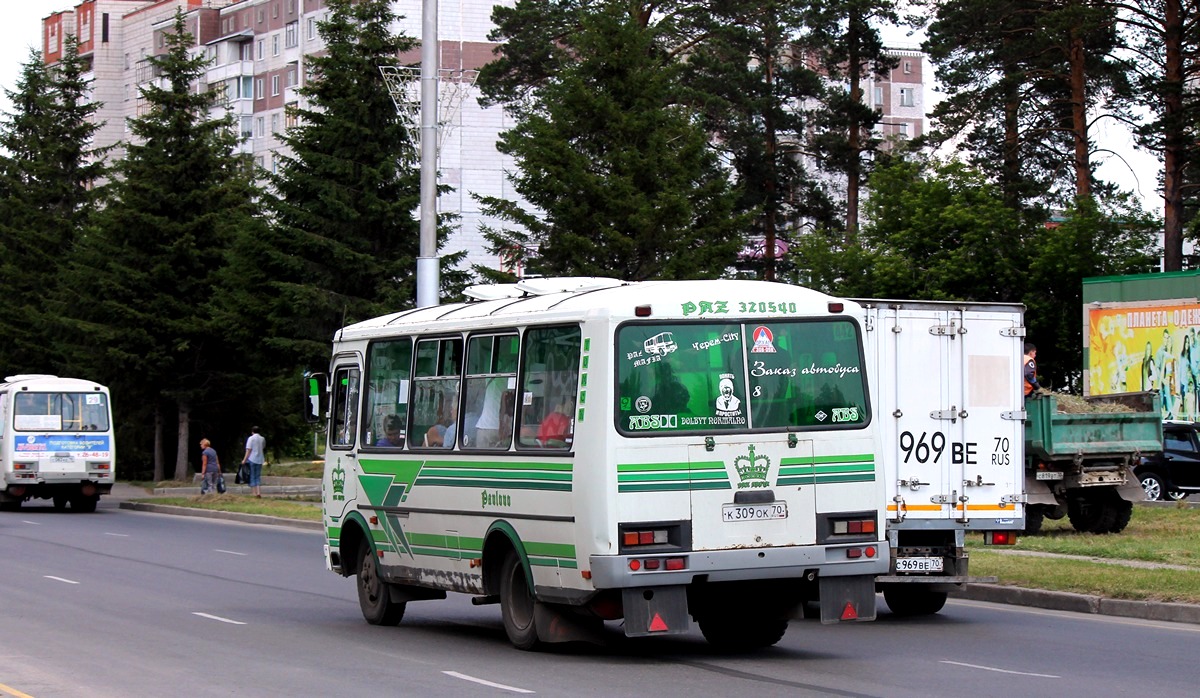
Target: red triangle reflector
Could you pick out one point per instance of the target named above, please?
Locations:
(848, 613)
(657, 625)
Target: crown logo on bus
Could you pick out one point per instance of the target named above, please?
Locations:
(338, 478)
(752, 467)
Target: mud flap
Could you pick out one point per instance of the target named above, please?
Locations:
(655, 611)
(555, 624)
(847, 598)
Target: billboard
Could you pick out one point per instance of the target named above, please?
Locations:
(1147, 345)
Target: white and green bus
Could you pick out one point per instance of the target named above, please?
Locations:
(585, 449)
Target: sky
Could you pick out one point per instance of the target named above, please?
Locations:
(1132, 170)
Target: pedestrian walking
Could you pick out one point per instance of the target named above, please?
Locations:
(210, 467)
(254, 458)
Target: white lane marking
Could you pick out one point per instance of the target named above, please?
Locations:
(212, 617)
(118, 535)
(31, 523)
(1002, 671)
(60, 579)
(229, 552)
(501, 686)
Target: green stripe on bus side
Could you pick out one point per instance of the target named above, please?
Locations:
(831, 479)
(498, 484)
(674, 487)
(801, 480)
(550, 549)
(636, 467)
(845, 469)
(815, 460)
(503, 475)
(671, 477)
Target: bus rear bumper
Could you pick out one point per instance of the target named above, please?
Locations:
(626, 571)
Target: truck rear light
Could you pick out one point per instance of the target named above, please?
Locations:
(677, 563)
(99, 466)
(999, 538)
(25, 466)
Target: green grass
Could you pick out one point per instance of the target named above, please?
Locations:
(1095, 578)
(291, 508)
(1155, 534)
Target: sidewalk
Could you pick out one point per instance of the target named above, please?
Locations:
(123, 494)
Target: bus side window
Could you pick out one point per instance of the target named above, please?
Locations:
(386, 409)
(490, 386)
(345, 407)
(550, 386)
(435, 390)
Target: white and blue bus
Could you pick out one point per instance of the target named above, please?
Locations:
(56, 442)
(585, 449)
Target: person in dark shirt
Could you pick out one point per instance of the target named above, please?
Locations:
(1031, 381)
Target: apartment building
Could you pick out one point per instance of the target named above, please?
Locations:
(258, 52)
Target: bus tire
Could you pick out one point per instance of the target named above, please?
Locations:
(83, 504)
(742, 633)
(11, 505)
(60, 502)
(516, 604)
(912, 600)
(374, 597)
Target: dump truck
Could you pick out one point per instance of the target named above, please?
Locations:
(1080, 465)
(946, 391)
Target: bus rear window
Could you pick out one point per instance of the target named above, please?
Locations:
(71, 412)
(736, 376)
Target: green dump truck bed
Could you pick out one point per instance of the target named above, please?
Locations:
(1052, 435)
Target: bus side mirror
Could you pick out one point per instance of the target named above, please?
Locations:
(316, 397)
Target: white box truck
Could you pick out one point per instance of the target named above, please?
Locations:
(946, 381)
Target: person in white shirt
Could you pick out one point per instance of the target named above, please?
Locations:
(255, 445)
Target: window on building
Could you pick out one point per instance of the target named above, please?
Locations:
(275, 9)
(878, 96)
(247, 88)
(902, 130)
(262, 16)
(291, 76)
(247, 127)
(311, 28)
(906, 96)
(128, 62)
(259, 126)
(291, 7)
(246, 51)
(261, 44)
(907, 66)
(291, 117)
(274, 85)
(104, 28)
(275, 44)
(258, 88)
(275, 123)
(290, 34)
(260, 162)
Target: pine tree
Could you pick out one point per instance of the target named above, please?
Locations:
(344, 240)
(747, 80)
(141, 287)
(621, 175)
(48, 190)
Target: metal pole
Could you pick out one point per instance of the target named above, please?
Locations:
(428, 270)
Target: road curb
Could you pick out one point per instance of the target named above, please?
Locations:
(226, 515)
(1082, 603)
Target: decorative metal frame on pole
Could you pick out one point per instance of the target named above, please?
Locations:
(404, 86)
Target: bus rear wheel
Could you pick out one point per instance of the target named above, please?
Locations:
(744, 632)
(84, 504)
(516, 604)
(373, 593)
(912, 600)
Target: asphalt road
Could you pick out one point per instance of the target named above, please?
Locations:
(125, 603)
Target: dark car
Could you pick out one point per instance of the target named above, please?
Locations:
(1174, 473)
